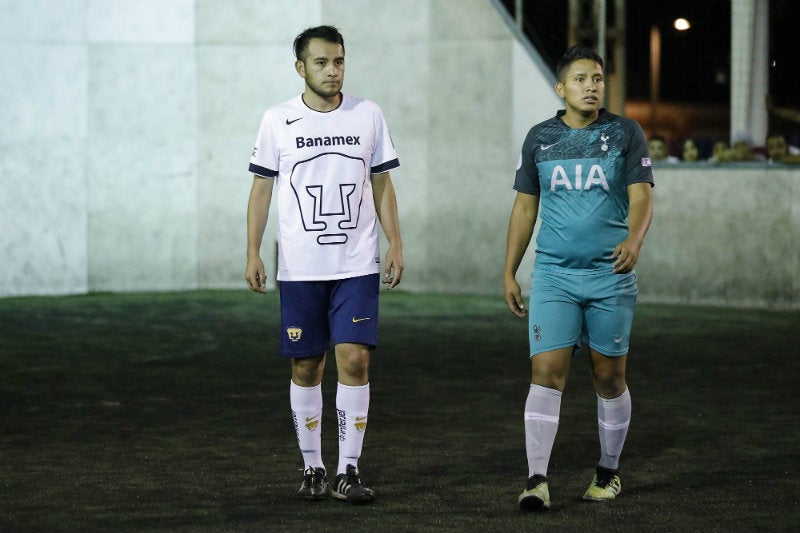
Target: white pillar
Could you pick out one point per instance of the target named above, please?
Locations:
(749, 67)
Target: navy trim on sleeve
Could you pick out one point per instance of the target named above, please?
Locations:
(261, 171)
(385, 167)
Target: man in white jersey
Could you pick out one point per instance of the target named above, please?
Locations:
(329, 155)
(586, 174)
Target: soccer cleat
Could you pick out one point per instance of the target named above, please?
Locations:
(315, 484)
(348, 487)
(605, 486)
(536, 496)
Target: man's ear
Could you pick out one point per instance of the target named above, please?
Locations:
(560, 89)
(300, 67)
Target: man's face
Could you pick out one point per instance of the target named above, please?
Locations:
(322, 67)
(583, 87)
(658, 149)
(690, 152)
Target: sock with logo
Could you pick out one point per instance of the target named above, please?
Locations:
(306, 403)
(542, 410)
(613, 419)
(352, 406)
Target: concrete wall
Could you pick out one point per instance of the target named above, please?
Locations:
(724, 235)
(43, 169)
(127, 128)
(97, 146)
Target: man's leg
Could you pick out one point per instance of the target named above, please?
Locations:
(353, 316)
(613, 419)
(304, 339)
(609, 319)
(352, 402)
(554, 327)
(305, 398)
(352, 407)
(549, 372)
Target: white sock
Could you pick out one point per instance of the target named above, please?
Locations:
(352, 406)
(542, 409)
(613, 419)
(306, 403)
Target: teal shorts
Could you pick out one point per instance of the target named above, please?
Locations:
(587, 308)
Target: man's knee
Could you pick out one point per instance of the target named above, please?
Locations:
(307, 372)
(550, 369)
(610, 388)
(609, 382)
(352, 362)
(608, 374)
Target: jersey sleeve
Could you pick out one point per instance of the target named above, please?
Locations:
(384, 157)
(264, 160)
(637, 165)
(527, 176)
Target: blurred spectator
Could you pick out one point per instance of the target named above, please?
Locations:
(659, 150)
(779, 150)
(719, 152)
(690, 153)
(742, 148)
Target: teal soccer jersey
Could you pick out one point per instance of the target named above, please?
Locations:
(581, 178)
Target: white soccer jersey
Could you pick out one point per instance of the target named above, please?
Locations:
(327, 225)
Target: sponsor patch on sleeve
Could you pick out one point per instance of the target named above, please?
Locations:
(646, 162)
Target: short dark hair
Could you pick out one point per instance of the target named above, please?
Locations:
(575, 53)
(326, 33)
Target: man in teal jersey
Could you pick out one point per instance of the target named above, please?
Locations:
(586, 174)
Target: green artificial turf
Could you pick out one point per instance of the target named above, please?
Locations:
(169, 412)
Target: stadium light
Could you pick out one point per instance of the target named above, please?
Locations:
(681, 24)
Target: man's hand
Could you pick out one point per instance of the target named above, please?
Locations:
(513, 295)
(626, 254)
(255, 275)
(393, 272)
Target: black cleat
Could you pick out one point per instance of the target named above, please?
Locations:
(315, 484)
(348, 487)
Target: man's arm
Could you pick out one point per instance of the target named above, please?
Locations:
(520, 230)
(640, 213)
(257, 214)
(386, 207)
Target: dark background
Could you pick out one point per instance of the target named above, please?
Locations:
(695, 63)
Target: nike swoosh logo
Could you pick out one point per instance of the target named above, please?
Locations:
(310, 418)
(290, 122)
(548, 146)
(617, 340)
(356, 320)
(360, 418)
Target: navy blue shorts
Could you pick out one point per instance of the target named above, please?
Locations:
(594, 309)
(316, 314)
